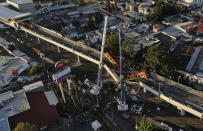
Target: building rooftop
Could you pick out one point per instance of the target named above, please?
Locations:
(41, 113)
(15, 105)
(173, 31)
(9, 14)
(7, 65)
(33, 86)
(145, 43)
(198, 66)
(20, 1)
(51, 97)
(4, 124)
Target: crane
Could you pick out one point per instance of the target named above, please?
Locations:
(96, 88)
(122, 104)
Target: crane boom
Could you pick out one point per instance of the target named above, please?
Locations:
(96, 90)
(122, 105)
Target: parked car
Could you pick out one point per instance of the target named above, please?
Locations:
(137, 109)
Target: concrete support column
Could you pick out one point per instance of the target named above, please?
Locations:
(144, 90)
(59, 51)
(68, 82)
(78, 59)
(107, 74)
(38, 39)
(182, 112)
(63, 96)
(26, 34)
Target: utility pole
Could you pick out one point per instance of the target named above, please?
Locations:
(62, 93)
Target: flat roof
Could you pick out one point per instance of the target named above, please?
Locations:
(7, 65)
(4, 124)
(51, 97)
(33, 86)
(16, 105)
(7, 13)
(40, 114)
(21, 1)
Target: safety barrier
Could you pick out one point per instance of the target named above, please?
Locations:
(171, 101)
(113, 75)
(188, 89)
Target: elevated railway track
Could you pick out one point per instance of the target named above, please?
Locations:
(81, 50)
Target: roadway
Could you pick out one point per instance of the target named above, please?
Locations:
(62, 40)
(176, 93)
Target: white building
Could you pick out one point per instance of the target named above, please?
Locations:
(23, 6)
(144, 8)
(197, 3)
(94, 37)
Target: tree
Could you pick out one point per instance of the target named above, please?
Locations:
(112, 43)
(146, 126)
(36, 70)
(98, 18)
(161, 10)
(158, 60)
(77, 24)
(128, 47)
(25, 127)
(95, 19)
(71, 93)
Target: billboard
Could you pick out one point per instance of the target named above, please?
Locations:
(61, 74)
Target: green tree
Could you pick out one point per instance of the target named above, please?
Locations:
(37, 69)
(128, 47)
(146, 126)
(25, 127)
(112, 43)
(161, 10)
(158, 60)
(71, 93)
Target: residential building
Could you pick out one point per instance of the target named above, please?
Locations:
(144, 8)
(157, 27)
(30, 104)
(197, 3)
(23, 6)
(10, 67)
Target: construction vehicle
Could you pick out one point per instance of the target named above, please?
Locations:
(42, 55)
(122, 106)
(96, 88)
(110, 58)
(130, 76)
(27, 24)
